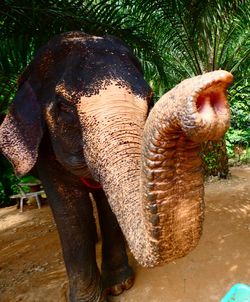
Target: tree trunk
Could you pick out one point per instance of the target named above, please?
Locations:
(215, 158)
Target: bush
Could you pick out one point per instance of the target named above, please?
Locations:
(8, 182)
(238, 136)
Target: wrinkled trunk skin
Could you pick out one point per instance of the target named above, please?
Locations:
(152, 173)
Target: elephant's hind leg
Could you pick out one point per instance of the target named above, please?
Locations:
(117, 275)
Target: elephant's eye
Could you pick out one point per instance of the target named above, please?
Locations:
(64, 106)
(66, 112)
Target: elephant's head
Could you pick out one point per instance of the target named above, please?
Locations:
(89, 94)
(71, 66)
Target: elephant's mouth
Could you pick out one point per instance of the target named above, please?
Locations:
(81, 170)
(76, 165)
(90, 183)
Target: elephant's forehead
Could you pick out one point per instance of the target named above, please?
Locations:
(113, 95)
(76, 64)
(108, 89)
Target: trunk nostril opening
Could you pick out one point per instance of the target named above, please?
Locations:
(204, 105)
(218, 101)
(211, 102)
(201, 102)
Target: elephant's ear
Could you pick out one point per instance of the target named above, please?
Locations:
(21, 130)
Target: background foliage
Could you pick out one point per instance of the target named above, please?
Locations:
(174, 39)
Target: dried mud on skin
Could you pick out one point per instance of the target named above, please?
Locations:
(32, 270)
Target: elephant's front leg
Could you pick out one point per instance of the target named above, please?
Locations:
(117, 274)
(73, 213)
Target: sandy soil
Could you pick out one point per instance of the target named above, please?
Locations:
(32, 270)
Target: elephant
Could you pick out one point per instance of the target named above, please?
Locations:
(81, 120)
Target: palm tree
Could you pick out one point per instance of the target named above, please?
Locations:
(26, 25)
(174, 39)
(196, 36)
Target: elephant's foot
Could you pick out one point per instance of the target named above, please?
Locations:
(117, 281)
(121, 287)
(85, 298)
(86, 289)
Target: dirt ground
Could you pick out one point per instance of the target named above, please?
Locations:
(32, 270)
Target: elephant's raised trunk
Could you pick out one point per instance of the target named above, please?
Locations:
(172, 182)
(153, 177)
